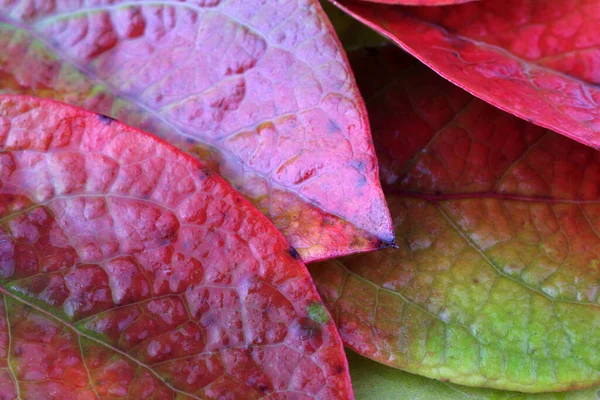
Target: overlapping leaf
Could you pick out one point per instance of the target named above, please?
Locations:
(260, 90)
(128, 270)
(372, 380)
(536, 59)
(496, 281)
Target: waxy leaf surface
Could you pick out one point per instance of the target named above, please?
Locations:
(261, 91)
(372, 380)
(537, 59)
(496, 280)
(129, 270)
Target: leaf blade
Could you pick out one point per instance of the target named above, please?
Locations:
(488, 62)
(494, 282)
(371, 379)
(263, 119)
(129, 269)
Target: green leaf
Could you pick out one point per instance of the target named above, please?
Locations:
(495, 282)
(372, 380)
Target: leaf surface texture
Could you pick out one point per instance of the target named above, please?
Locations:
(129, 270)
(261, 91)
(533, 58)
(495, 282)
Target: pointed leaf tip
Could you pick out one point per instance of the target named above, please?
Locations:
(261, 91)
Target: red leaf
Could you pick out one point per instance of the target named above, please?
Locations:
(129, 270)
(496, 279)
(260, 90)
(536, 59)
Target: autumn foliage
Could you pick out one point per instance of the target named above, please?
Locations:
(167, 168)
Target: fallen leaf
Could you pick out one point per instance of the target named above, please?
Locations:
(129, 270)
(261, 91)
(497, 276)
(535, 59)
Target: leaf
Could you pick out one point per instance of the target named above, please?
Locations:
(261, 91)
(372, 380)
(129, 270)
(496, 279)
(535, 59)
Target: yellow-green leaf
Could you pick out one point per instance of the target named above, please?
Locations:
(496, 281)
(372, 380)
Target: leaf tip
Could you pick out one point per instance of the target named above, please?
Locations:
(105, 119)
(294, 253)
(387, 244)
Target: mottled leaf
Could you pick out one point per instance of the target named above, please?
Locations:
(261, 91)
(372, 380)
(536, 59)
(497, 276)
(129, 270)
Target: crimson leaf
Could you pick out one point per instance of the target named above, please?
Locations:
(129, 270)
(536, 59)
